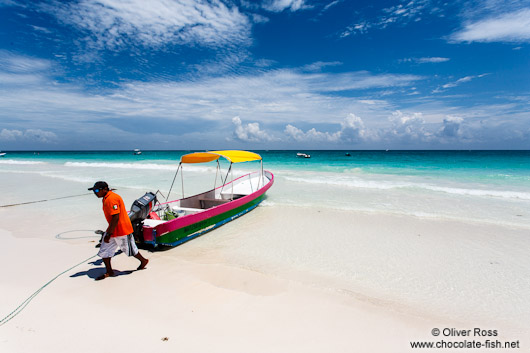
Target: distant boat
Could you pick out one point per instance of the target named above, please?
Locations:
(137, 151)
(2, 154)
(303, 155)
(347, 154)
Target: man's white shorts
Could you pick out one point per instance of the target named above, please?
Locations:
(124, 242)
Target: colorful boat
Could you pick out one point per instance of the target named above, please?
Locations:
(198, 214)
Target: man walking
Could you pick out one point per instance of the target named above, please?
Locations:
(119, 232)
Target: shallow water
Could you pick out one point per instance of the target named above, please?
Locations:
(475, 186)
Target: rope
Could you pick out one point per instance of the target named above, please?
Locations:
(25, 303)
(59, 236)
(57, 198)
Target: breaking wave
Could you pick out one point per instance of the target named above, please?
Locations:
(387, 185)
(10, 161)
(148, 166)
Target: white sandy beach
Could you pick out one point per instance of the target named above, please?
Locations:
(256, 284)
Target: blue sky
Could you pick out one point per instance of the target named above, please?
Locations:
(271, 74)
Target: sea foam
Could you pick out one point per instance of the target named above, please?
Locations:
(353, 182)
(11, 161)
(151, 166)
(147, 166)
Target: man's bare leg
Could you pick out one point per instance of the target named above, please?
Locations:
(143, 261)
(110, 271)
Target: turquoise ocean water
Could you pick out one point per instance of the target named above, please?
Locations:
(485, 165)
(481, 186)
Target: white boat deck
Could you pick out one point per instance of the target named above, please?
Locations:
(242, 187)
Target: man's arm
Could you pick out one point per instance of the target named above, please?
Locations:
(112, 226)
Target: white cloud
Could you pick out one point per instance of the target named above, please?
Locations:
(319, 65)
(507, 27)
(40, 135)
(281, 5)
(34, 135)
(451, 127)
(257, 18)
(250, 132)
(405, 11)
(331, 4)
(10, 135)
(427, 60)
(457, 82)
(273, 97)
(401, 14)
(112, 24)
(352, 131)
(407, 128)
(359, 80)
(312, 135)
(19, 64)
(8, 3)
(41, 29)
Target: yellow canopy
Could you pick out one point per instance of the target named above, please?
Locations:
(233, 156)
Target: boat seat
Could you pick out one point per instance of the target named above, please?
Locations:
(228, 196)
(208, 203)
(152, 222)
(186, 209)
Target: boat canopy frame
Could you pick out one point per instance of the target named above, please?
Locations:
(233, 156)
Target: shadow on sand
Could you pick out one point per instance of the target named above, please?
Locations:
(96, 272)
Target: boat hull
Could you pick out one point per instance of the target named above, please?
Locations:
(183, 229)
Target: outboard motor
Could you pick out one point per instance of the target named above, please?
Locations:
(139, 211)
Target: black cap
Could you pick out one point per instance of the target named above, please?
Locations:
(99, 185)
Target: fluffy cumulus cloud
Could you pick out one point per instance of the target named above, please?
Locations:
(352, 131)
(512, 26)
(312, 135)
(411, 128)
(451, 128)
(407, 128)
(112, 24)
(10, 135)
(250, 132)
(33, 135)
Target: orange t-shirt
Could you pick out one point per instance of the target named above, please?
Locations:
(113, 204)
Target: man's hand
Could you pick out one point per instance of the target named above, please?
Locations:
(112, 226)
